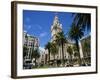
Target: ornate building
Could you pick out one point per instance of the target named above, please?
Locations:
(29, 43)
(70, 59)
(56, 28)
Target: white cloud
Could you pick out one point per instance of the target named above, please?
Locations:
(40, 27)
(42, 50)
(27, 19)
(29, 26)
(37, 26)
(43, 34)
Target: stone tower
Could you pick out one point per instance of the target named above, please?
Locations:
(55, 28)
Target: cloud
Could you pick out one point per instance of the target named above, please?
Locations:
(27, 19)
(43, 34)
(41, 48)
(29, 26)
(40, 27)
(37, 26)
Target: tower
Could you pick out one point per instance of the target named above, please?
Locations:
(55, 28)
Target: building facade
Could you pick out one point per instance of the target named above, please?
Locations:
(56, 28)
(29, 43)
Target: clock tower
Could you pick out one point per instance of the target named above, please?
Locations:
(55, 28)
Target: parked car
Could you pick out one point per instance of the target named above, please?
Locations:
(28, 64)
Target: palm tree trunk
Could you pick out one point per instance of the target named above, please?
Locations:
(54, 59)
(49, 57)
(62, 54)
(35, 61)
(71, 61)
(78, 51)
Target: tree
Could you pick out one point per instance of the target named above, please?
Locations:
(54, 49)
(70, 51)
(86, 50)
(86, 47)
(75, 53)
(60, 39)
(75, 50)
(48, 46)
(35, 54)
(75, 34)
(83, 20)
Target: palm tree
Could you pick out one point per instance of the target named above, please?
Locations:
(35, 54)
(83, 20)
(60, 39)
(75, 50)
(87, 49)
(54, 50)
(70, 51)
(75, 53)
(75, 34)
(48, 46)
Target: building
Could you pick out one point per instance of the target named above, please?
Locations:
(56, 28)
(30, 42)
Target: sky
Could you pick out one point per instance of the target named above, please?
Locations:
(38, 23)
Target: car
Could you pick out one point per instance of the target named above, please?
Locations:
(28, 64)
(83, 64)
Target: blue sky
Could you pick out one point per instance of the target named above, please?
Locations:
(38, 23)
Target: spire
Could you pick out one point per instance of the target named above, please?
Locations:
(56, 27)
(56, 20)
